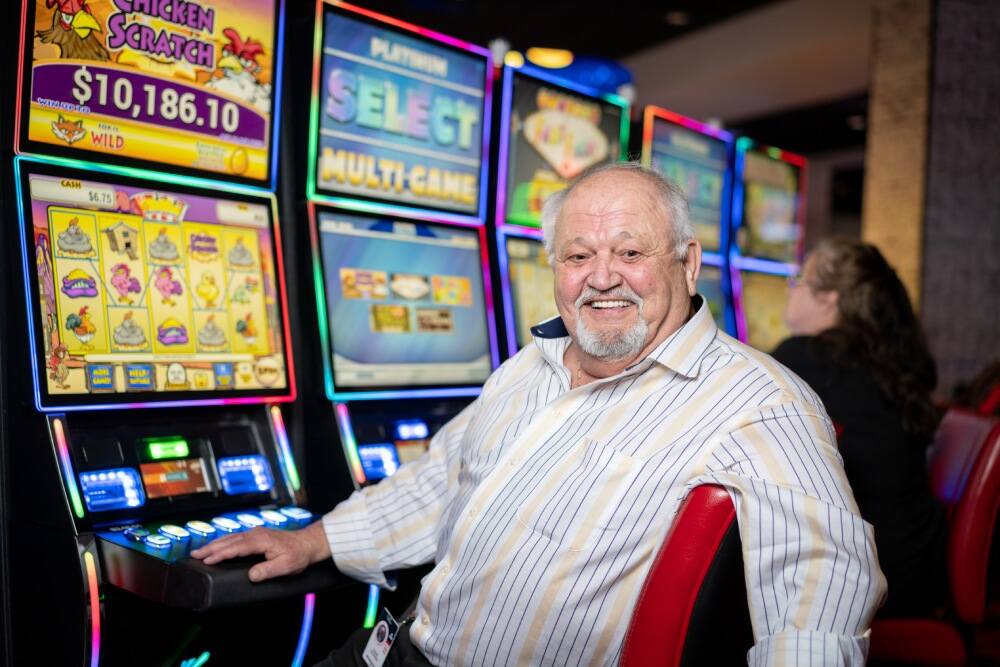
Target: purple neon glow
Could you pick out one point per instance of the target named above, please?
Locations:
(306, 631)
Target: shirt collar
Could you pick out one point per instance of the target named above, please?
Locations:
(681, 352)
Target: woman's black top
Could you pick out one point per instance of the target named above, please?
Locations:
(887, 471)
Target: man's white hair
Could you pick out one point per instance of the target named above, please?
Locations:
(667, 193)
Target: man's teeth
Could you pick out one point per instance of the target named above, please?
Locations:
(610, 304)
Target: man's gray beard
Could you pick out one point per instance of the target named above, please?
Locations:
(611, 346)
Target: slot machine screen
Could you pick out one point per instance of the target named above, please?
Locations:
(400, 117)
(145, 293)
(771, 202)
(553, 134)
(145, 84)
(405, 302)
(532, 285)
(764, 296)
(699, 163)
(710, 287)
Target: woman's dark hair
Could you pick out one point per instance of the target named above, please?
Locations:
(877, 328)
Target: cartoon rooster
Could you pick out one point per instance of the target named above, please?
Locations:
(247, 329)
(240, 70)
(124, 283)
(58, 370)
(72, 31)
(207, 290)
(81, 326)
(167, 285)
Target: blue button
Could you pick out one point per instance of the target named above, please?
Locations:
(226, 525)
(297, 513)
(200, 528)
(136, 534)
(158, 541)
(273, 518)
(174, 532)
(249, 520)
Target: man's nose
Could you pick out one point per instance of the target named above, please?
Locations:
(605, 274)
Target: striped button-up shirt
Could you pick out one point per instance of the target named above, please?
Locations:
(543, 507)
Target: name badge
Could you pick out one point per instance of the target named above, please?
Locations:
(380, 641)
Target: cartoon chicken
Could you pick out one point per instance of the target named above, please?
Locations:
(242, 293)
(124, 283)
(247, 329)
(73, 28)
(58, 370)
(81, 326)
(239, 71)
(167, 286)
(208, 290)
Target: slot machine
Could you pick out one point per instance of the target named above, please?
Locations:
(153, 342)
(551, 130)
(698, 158)
(768, 223)
(396, 188)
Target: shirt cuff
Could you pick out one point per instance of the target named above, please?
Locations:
(349, 533)
(809, 648)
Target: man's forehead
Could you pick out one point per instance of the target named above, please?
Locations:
(614, 200)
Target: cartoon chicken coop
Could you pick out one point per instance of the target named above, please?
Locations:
(123, 239)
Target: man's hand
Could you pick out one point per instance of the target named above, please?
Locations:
(286, 551)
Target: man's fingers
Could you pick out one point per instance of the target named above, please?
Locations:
(234, 546)
(275, 567)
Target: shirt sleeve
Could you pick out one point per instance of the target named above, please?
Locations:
(394, 524)
(811, 568)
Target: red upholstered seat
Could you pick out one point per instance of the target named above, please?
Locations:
(693, 606)
(965, 474)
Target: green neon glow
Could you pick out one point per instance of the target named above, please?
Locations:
(372, 606)
(775, 153)
(314, 105)
(320, 290)
(166, 448)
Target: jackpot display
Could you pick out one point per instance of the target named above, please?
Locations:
(553, 133)
(532, 285)
(145, 293)
(771, 204)
(189, 85)
(399, 116)
(697, 158)
(763, 298)
(405, 302)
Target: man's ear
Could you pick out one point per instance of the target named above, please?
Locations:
(692, 266)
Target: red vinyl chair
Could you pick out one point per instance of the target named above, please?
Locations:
(693, 606)
(965, 474)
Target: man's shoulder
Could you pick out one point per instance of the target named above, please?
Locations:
(776, 383)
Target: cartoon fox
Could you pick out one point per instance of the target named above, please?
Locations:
(69, 131)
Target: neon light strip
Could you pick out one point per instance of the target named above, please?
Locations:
(389, 208)
(372, 609)
(764, 266)
(95, 608)
(306, 631)
(505, 110)
(275, 149)
(284, 450)
(69, 476)
(148, 176)
(350, 444)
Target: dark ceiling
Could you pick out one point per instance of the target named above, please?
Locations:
(609, 29)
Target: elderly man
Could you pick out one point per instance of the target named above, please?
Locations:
(543, 503)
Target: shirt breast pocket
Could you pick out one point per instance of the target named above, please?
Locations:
(576, 500)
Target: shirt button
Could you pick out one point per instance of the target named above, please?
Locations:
(425, 620)
(445, 569)
(512, 462)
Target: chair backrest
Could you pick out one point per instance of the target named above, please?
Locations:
(971, 532)
(693, 606)
(956, 446)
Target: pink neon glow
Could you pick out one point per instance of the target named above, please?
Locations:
(488, 290)
(283, 291)
(447, 39)
(95, 609)
(653, 112)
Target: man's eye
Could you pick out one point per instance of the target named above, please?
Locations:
(631, 254)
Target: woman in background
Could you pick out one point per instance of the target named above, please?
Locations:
(858, 344)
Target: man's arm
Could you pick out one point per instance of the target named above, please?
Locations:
(813, 580)
(387, 526)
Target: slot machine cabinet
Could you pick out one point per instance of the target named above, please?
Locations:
(150, 422)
